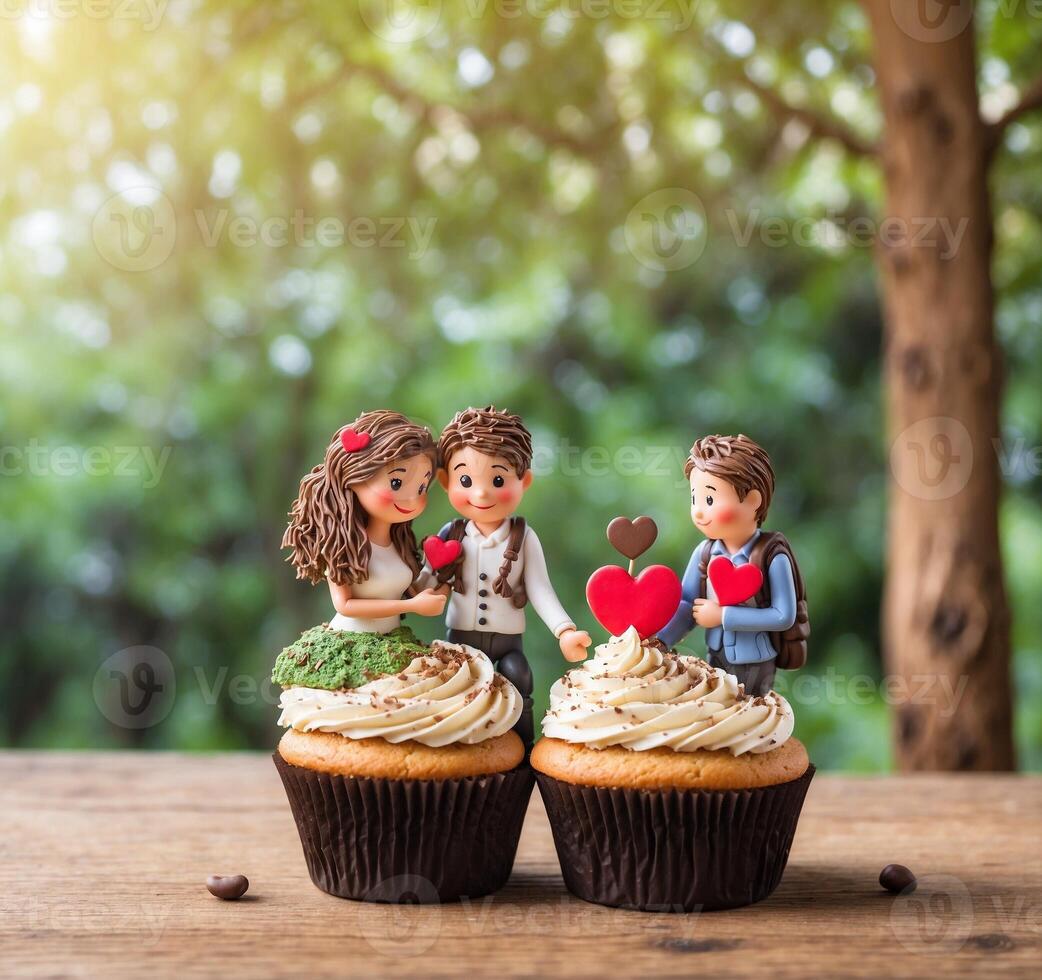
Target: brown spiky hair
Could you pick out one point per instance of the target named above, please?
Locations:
(489, 431)
(738, 460)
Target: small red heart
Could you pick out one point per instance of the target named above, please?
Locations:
(441, 553)
(734, 584)
(646, 602)
(353, 440)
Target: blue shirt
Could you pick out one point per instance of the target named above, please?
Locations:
(742, 636)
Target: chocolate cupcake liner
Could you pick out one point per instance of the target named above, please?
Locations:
(673, 850)
(407, 841)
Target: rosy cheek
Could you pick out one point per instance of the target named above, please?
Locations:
(507, 495)
(385, 497)
(725, 515)
(457, 498)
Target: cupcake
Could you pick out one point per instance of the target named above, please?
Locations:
(667, 788)
(405, 779)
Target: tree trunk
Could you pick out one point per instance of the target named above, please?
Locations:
(945, 616)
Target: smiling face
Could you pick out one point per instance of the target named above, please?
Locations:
(398, 492)
(716, 510)
(483, 488)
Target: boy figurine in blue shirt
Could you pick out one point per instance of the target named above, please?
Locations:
(731, 487)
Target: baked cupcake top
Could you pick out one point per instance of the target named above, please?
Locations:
(638, 695)
(447, 694)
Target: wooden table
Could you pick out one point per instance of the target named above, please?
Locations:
(105, 856)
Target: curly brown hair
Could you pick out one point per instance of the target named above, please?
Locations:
(738, 460)
(327, 525)
(489, 431)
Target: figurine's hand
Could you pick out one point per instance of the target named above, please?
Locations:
(707, 613)
(573, 644)
(427, 603)
(445, 589)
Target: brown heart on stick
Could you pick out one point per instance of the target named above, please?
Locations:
(632, 538)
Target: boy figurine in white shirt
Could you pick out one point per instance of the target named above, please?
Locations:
(485, 460)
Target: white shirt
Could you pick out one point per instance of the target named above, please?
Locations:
(482, 558)
(389, 577)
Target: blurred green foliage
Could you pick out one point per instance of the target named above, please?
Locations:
(526, 146)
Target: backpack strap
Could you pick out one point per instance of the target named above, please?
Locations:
(761, 555)
(516, 594)
(456, 530)
(703, 569)
(790, 645)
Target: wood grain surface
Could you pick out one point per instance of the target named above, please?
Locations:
(105, 858)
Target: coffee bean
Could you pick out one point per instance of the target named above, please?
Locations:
(228, 887)
(897, 878)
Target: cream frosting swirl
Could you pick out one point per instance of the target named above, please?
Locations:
(642, 697)
(451, 695)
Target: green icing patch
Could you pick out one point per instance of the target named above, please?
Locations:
(334, 659)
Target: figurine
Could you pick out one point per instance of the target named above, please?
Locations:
(351, 524)
(742, 584)
(490, 557)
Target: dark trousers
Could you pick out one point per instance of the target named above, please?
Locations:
(505, 651)
(757, 678)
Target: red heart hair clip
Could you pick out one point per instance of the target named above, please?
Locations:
(352, 440)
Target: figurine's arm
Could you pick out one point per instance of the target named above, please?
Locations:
(426, 603)
(544, 600)
(539, 588)
(682, 622)
(779, 615)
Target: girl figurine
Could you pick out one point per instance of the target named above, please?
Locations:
(351, 524)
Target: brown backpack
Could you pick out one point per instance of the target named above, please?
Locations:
(450, 573)
(790, 645)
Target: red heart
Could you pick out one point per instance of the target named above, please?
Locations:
(353, 440)
(734, 584)
(647, 602)
(441, 553)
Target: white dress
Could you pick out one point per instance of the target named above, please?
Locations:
(389, 577)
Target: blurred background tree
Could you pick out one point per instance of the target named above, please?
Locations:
(228, 227)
